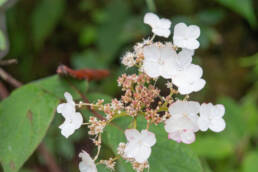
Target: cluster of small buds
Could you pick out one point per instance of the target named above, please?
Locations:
(121, 149)
(182, 118)
(96, 126)
(139, 167)
(129, 59)
(110, 163)
(139, 93)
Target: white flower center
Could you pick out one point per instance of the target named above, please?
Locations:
(161, 61)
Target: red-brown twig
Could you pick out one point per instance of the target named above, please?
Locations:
(8, 78)
(3, 91)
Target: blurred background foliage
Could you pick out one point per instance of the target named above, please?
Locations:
(95, 34)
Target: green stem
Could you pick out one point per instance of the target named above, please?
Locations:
(151, 5)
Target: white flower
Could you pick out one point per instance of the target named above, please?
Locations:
(87, 164)
(159, 61)
(182, 124)
(186, 37)
(189, 79)
(211, 116)
(139, 144)
(160, 27)
(73, 119)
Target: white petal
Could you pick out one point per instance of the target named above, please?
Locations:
(198, 85)
(194, 31)
(206, 109)
(184, 89)
(203, 123)
(151, 19)
(151, 69)
(191, 87)
(77, 120)
(165, 23)
(66, 129)
(188, 137)
(217, 125)
(184, 59)
(87, 164)
(176, 136)
(131, 149)
(220, 110)
(185, 37)
(180, 30)
(131, 134)
(151, 53)
(168, 57)
(148, 138)
(69, 98)
(143, 154)
(161, 32)
(184, 107)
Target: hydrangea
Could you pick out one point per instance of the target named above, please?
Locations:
(73, 119)
(182, 124)
(87, 164)
(189, 79)
(139, 144)
(159, 61)
(160, 27)
(211, 117)
(186, 36)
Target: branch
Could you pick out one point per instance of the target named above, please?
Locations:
(3, 91)
(8, 62)
(8, 78)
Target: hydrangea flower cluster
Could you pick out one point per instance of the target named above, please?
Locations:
(182, 118)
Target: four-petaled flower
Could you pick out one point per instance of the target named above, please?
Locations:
(188, 75)
(160, 27)
(139, 144)
(159, 61)
(211, 116)
(73, 119)
(186, 36)
(182, 124)
(87, 164)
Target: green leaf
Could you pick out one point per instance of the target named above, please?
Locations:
(213, 147)
(26, 115)
(242, 7)
(2, 41)
(58, 85)
(44, 19)
(166, 155)
(250, 162)
(236, 127)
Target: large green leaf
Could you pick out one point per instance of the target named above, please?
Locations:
(166, 155)
(26, 115)
(206, 147)
(250, 162)
(44, 19)
(242, 7)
